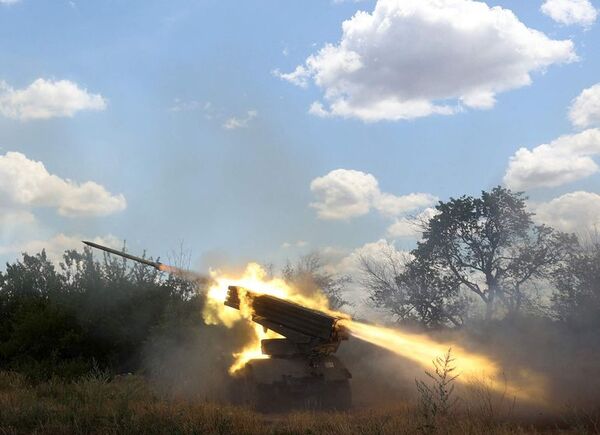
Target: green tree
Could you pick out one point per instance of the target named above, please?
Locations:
(490, 246)
(412, 290)
(576, 300)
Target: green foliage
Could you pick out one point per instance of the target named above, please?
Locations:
(490, 246)
(576, 301)
(435, 298)
(86, 314)
(412, 291)
(437, 399)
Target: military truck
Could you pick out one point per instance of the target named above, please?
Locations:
(301, 371)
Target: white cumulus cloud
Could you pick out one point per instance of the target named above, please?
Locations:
(379, 251)
(562, 161)
(411, 226)
(241, 122)
(348, 263)
(180, 105)
(347, 193)
(56, 245)
(413, 58)
(14, 222)
(26, 183)
(45, 99)
(296, 244)
(573, 212)
(568, 12)
(585, 109)
(344, 193)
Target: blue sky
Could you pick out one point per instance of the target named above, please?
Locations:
(155, 84)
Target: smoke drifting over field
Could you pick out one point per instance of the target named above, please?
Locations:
(527, 365)
(564, 363)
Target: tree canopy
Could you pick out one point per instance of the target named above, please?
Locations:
(485, 248)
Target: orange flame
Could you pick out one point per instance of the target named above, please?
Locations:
(254, 278)
(166, 268)
(469, 366)
(184, 274)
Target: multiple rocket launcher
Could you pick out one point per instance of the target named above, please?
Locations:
(306, 331)
(301, 371)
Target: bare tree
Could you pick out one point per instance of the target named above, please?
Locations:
(411, 290)
(308, 273)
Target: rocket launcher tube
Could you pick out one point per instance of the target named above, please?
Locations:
(156, 264)
(184, 274)
(288, 318)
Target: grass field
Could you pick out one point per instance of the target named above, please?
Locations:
(127, 405)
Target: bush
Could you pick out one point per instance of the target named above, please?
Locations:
(63, 322)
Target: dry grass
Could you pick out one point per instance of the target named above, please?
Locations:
(128, 406)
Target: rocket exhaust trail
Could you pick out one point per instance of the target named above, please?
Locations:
(470, 366)
(188, 275)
